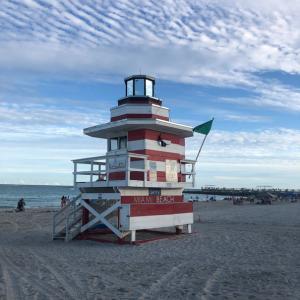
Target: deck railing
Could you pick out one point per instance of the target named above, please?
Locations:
(107, 165)
(115, 170)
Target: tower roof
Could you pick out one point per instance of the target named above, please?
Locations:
(140, 77)
(104, 130)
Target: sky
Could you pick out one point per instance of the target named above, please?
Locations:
(63, 64)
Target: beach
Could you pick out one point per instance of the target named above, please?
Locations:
(238, 252)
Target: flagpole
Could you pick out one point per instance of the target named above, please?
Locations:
(202, 145)
(200, 150)
(198, 154)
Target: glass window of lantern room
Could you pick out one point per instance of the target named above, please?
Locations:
(129, 85)
(123, 142)
(113, 143)
(139, 87)
(149, 88)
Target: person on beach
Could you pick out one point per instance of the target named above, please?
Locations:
(68, 199)
(63, 203)
(21, 205)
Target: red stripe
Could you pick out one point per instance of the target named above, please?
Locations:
(135, 116)
(148, 134)
(159, 156)
(116, 176)
(136, 175)
(150, 199)
(136, 159)
(139, 210)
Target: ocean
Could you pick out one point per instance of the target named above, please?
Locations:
(49, 195)
(34, 195)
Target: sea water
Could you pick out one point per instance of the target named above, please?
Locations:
(34, 195)
(47, 195)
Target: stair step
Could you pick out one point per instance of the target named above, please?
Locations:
(61, 237)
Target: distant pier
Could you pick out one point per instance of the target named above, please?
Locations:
(239, 192)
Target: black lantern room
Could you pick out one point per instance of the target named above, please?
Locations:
(139, 88)
(139, 85)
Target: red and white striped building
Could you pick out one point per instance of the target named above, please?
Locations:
(144, 170)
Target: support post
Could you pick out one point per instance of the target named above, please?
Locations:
(189, 227)
(75, 170)
(85, 216)
(145, 172)
(194, 176)
(107, 171)
(92, 169)
(127, 178)
(133, 235)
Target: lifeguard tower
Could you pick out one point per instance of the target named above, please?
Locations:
(138, 184)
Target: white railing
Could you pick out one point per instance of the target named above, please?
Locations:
(69, 224)
(183, 163)
(103, 168)
(64, 218)
(111, 164)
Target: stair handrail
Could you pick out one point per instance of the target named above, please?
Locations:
(61, 211)
(68, 224)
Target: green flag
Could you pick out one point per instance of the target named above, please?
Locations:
(204, 128)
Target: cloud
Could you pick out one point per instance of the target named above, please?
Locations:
(275, 146)
(275, 95)
(200, 42)
(22, 181)
(196, 40)
(247, 118)
(41, 119)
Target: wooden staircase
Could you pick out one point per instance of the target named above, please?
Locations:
(72, 220)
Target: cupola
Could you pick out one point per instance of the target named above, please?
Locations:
(139, 89)
(139, 85)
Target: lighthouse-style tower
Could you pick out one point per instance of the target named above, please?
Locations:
(138, 184)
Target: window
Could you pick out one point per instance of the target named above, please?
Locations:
(149, 88)
(139, 87)
(119, 142)
(114, 143)
(129, 87)
(122, 142)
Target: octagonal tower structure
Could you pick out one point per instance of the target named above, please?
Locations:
(138, 184)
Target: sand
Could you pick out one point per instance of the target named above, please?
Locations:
(239, 252)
